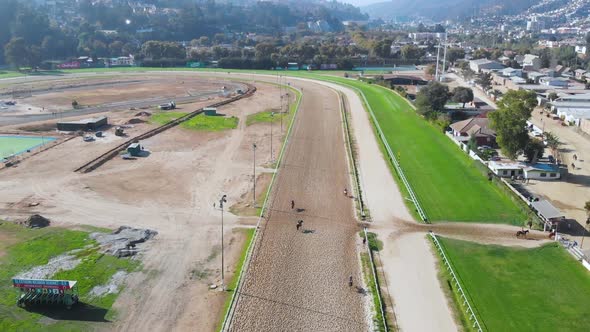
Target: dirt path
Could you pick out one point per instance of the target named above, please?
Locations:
(297, 280)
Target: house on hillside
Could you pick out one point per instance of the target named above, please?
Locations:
(560, 82)
(579, 74)
(484, 64)
(509, 72)
(478, 127)
(531, 62)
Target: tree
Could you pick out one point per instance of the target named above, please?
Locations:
(430, 70)
(15, 52)
(552, 96)
(534, 150)
(432, 98)
(509, 121)
(468, 73)
(472, 143)
(553, 142)
(411, 52)
(454, 54)
(484, 80)
(462, 95)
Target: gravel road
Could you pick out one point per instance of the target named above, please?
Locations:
(298, 280)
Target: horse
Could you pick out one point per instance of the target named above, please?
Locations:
(522, 233)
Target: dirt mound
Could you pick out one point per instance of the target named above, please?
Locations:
(135, 121)
(37, 221)
(122, 242)
(143, 113)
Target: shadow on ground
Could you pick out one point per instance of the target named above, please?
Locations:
(83, 312)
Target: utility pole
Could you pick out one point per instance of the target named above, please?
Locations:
(437, 61)
(254, 174)
(444, 58)
(221, 201)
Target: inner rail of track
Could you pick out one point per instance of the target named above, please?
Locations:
(103, 158)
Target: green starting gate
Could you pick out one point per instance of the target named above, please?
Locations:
(46, 292)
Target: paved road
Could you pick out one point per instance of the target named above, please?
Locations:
(297, 280)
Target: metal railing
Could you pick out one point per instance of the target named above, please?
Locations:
(357, 175)
(374, 272)
(394, 160)
(468, 309)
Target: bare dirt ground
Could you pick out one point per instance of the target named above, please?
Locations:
(568, 194)
(297, 280)
(51, 99)
(172, 191)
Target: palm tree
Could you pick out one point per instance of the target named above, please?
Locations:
(553, 142)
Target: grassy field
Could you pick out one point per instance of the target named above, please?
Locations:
(447, 184)
(266, 117)
(22, 248)
(199, 122)
(514, 289)
(16, 144)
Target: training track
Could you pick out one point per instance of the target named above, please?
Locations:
(298, 280)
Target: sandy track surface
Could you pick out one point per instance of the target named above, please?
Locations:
(297, 280)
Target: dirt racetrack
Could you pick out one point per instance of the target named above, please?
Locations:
(298, 280)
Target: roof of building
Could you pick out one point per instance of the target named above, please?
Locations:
(134, 146)
(474, 126)
(543, 167)
(86, 121)
(535, 74)
(546, 209)
(506, 164)
(517, 80)
(581, 96)
(575, 104)
(580, 71)
(528, 58)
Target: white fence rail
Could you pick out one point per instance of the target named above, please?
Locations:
(378, 288)
(391, 155)
(468, 309)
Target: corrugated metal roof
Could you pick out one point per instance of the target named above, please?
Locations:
(546, 209)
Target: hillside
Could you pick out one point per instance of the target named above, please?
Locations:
(442, 9)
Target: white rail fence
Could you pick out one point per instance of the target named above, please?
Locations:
(468, 309)
(394, 160)
(377, 285)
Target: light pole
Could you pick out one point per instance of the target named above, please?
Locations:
(221, 201)
(272, 118)
(254, 174)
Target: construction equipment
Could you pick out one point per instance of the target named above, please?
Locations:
(119, 131)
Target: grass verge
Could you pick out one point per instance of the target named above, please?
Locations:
(199, 122)
(448, 186)
(22, 248)
(231, 286)
(516, 289)
(267, 117)
(373, 289)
